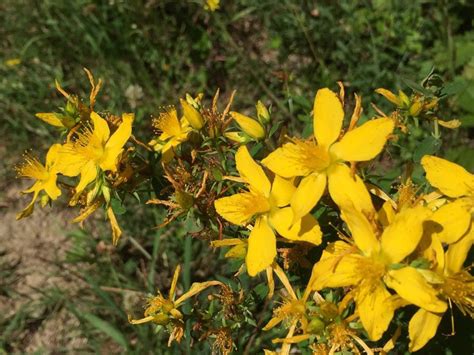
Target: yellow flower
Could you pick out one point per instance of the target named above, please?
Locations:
(456, 285)
(212, 5)
(373, 263)
(450, 178)
(164, 311)
(268, 203)
(94, 149)
(174, 132)
(324, 161)
(249, 126)
(45, 176)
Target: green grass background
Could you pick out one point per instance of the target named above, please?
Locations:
(278, 51)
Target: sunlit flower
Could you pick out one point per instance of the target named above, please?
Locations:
(45, 176)
(456, 285)
(94, 150)
(373, 262)
(268, 203)
(324, 160)
(173, 133)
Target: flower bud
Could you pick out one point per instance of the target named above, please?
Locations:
(250, 126)
(192, 115)
(262, 113)
(238, 137)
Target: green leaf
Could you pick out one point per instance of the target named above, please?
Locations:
(117, 207)
(106, 328)
(429, 145)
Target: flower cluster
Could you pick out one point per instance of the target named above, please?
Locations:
(312, 205)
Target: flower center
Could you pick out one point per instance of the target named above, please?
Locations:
(460, 289)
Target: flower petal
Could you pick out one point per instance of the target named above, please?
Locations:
(361, 230)
(282, 191)
(328, 115)
(402, 236)
(261, 247)
(374, 307)
(297, 159)
(307, 195)
(338, 267)
(114, 145)
(101, 127)
(69, 161)
(50, 118)
(348, 190)
(51, 188)
(413, 287)
(240, 208)
(251, 172)
(457, 252)
(88, 174)
(305, 229)
(454, 219)
(422, 327)
(450, 178)
(365, 142)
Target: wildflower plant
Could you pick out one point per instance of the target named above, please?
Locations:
(335, 261)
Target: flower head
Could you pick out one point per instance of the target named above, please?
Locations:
(173, 133)
(94, 149)
(322, 161)
(374, 262)
(45, 176)
(268, 202)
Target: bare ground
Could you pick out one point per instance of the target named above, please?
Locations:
(29, 250)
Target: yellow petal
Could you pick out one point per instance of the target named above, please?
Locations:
(196, 287)
(297, 159)
(114, 145)
(282, 191)
(402, 236)
(390, 96)
(361, 230)
(328, 115)
(422, 327)
(51, 188)
(69, 161)
(457, 252)
(386, 214)
(365, 142)
(336, 270)
(251, 172)
(52, 156)
(452, 124)
(50, 118)
(451, 179)
(101, 127)
(374, 307)
(192, 115)
(240, 208)
(116, 231)
(261, 248)
(454, 219)
(250, 126)
(28, 210)
(305, 229)
(349, 191)
(307, 195)
(88, 174)
(413, 287)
